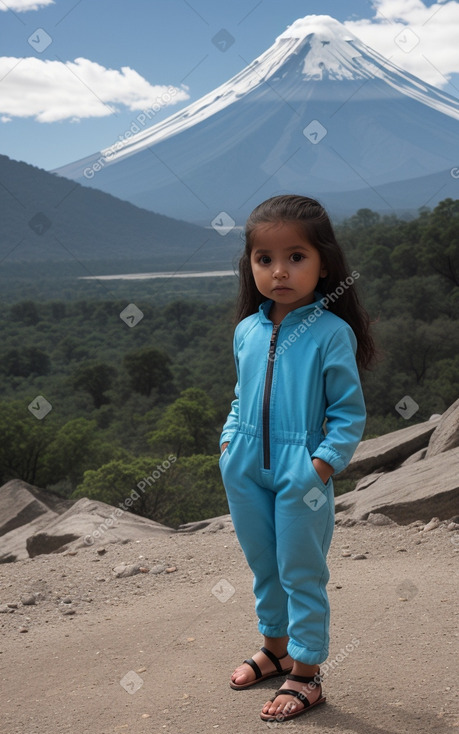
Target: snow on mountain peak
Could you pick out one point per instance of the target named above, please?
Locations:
(332, 50)
(324, 26)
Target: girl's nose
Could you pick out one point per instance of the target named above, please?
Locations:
(279, 271)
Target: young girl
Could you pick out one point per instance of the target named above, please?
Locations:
(297, 418)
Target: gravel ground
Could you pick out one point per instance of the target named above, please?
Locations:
(153, 652)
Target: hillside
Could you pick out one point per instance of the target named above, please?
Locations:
(48, 219)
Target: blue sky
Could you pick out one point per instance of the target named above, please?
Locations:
(74, 74)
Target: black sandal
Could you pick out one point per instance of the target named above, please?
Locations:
(317, 679)
(259, 675)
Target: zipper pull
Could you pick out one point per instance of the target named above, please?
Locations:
(272, 342)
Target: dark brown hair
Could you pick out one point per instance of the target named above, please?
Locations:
(318, 230)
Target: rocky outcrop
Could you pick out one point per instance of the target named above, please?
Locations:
(33, 522)
(90, 522)
(207, 526)
(446, 434)
(418, 491)
(22, 503)
(387, 452)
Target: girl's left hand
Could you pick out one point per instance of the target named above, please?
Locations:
(323, 469)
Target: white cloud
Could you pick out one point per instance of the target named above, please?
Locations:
(434, 58)
(21, 6)
(51, 91)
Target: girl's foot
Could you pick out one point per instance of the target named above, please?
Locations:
(284, 706)
(263, 666)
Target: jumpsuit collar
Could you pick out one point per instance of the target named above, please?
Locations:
(298, 314)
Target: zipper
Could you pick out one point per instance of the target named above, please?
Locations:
(267, 397)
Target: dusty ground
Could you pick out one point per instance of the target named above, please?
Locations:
(153, 652)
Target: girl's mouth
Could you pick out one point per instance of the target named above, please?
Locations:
(281, 288)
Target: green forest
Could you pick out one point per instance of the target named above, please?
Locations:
(92, 405)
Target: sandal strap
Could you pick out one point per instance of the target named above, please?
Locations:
(270, 655)
(290, 692)
(255, 668)
(274, 659)
(317, 678)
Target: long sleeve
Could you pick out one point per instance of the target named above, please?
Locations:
(345, 411)
(232, 420)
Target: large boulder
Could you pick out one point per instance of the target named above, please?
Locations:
(90, 522)
(446, 434)
(21, 503)
(419, 491)
(387, 452)
(13, 545)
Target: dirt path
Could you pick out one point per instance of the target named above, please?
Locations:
(174, 638)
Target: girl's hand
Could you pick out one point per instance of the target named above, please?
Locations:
(323, 469)
(224, 445)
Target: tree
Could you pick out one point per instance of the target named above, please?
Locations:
(148, 368)
(25, 362)
(187, 426)
(95, 379)
(440, 241)
(25, 311)
(23, 442)
(76, 447)
(167, 491)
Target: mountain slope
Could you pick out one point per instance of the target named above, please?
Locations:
(46, 218)
(319, 113)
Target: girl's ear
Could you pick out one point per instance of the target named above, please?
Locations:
(323, 271)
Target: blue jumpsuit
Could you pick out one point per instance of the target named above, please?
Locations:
(291, 378)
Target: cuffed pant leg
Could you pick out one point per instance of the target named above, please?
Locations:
(252, 510)
(304, 532)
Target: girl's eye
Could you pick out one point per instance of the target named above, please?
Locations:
(297, 257)
(265, 259)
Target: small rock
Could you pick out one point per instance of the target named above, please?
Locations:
(159, 568)
(434, 523)
(359, 557)
(70, 553)
(452, 526)
(100, 578)
(141, 670)
(28, 599)
(401, 550)
(67, 600)
(13, 605)
(377, 518)
(101, 551)
(68, 611)
(171, 569)
(146, 716)
(346, 554)
(123, 570)
(338, 586)
(4, 609)
(23, 629)
(402, 598)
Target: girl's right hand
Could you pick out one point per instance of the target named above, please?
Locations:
(223, 446)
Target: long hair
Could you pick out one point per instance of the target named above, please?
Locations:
(337, 288)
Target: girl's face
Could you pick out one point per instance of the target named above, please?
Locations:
(285, 266)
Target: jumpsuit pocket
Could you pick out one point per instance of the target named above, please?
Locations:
(224, 454)
(314, 473)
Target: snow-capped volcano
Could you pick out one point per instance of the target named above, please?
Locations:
(318, 113)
